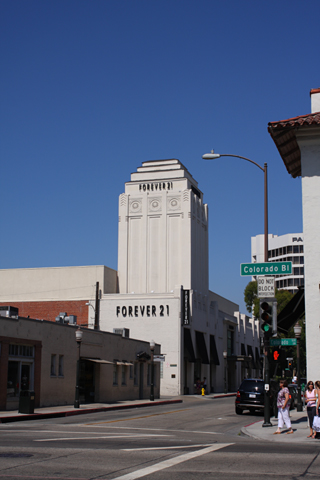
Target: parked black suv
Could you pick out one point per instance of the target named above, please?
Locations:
(250, 396)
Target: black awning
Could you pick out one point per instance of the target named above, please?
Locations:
(214, 358)
(291, 313)
(188, 346)
(201, 348)
(243, 349)
(250, 353)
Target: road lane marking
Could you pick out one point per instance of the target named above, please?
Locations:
(161, 430)
(171, 462)
(138, 418)
(124, 435)
(165, 448)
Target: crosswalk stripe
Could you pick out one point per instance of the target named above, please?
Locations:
(171, 462)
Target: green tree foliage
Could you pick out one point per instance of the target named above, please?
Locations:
(251, 299)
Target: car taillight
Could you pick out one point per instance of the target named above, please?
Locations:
(238, 394)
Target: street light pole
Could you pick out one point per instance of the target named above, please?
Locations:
(79, 334)
(297, 331)
(225, 355)
(152, 345)
(213, 156)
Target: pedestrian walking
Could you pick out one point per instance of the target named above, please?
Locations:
(310, 395)
(283, 404)
(316, 419)
(317, 390)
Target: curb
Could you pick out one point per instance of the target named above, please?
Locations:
(223, 395)
(43, 416)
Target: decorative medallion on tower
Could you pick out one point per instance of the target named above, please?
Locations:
(135, 205)
(174, 203)
(155, 204)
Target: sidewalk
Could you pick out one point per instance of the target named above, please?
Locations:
(69, 410)
(299, 426)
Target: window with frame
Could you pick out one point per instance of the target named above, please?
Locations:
(61, 365)
(53, 371)
(21, 350)
(130, 371)
(230, 342)
(123, 375)
(115, 374)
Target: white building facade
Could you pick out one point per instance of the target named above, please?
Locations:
(298, 142)
(283, 248)
(164, 286)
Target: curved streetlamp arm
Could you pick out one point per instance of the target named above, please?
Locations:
(244, 158)
(213, 156)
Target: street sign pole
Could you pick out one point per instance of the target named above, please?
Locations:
(267, 422)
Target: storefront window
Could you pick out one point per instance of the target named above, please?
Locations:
(20, 369)
(13, 379)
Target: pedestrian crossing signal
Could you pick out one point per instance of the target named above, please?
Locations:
(276, 355)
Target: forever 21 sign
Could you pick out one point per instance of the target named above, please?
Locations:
(143, 310)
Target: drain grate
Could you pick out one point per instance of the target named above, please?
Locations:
(16, 455)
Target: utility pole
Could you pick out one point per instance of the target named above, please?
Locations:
(97, 308)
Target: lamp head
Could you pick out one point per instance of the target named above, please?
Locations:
(79, 334)
(211, 156)
(297, 330)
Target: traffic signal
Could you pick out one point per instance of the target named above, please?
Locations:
(268, 316)
(266, 330)
(276, 354)
(266, 311)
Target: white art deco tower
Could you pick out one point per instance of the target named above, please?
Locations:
(163, 231)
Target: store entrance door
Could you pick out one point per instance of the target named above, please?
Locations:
(25, 377)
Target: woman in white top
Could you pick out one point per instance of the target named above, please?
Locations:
(310, 395)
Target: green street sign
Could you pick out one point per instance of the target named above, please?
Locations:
(267, 268)
(287, 342)
(275, 342)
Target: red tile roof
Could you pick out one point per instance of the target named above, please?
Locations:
(283, 134)
(310, 119)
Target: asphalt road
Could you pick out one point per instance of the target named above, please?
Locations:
(197, 439)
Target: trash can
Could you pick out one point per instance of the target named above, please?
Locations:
(26, 401)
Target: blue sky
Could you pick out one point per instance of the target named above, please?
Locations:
(91, 89)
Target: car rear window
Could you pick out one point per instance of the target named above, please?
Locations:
(251, 385)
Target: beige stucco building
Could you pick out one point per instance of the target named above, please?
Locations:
(41, 356)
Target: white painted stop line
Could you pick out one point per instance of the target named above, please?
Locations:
(171, 462)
